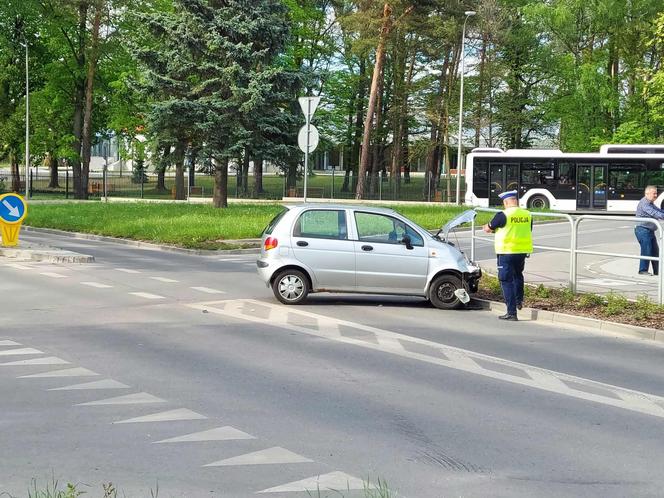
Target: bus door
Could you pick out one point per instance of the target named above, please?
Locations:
(502, 178)
(591, 186)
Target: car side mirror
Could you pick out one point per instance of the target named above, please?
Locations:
(407, 242)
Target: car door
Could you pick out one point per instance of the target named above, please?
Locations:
(320, 241)
(384, 264)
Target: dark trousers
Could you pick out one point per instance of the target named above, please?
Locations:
(510, 274)
(649, 247)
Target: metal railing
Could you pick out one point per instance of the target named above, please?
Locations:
(573, 249)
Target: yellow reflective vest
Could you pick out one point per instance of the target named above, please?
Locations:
(516, 236)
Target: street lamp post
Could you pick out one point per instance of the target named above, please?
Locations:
(469, 13)
(27, 119)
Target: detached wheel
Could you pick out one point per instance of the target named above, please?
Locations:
(538, 202)
(441, 292)
(290, 287)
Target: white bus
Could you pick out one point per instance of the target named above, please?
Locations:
(611, 180)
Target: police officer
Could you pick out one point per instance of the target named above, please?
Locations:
(513, 242)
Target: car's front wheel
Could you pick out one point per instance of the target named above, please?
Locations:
(441, 292)
(291, 287)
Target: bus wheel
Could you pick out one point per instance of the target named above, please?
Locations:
(538, 202)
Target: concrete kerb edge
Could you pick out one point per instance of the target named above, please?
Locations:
(148, 245)
(537, 315)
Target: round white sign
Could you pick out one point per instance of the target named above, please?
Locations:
(314, 138)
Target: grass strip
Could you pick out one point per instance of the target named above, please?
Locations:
(193, 226)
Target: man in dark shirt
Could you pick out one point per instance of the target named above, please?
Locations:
(645, 232)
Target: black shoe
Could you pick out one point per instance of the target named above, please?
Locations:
(511, 318)
(645, 273)
(519, 306)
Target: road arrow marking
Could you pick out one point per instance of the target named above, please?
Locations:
(226, 433)
(334, 481)
(276, 455)
(97, 384)
(13, 211)
(168, 416)
(21, 351)
(51, 360)
(67, 372)
(129, 399)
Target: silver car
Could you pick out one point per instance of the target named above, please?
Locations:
(341, 248)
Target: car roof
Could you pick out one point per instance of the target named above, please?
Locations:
(358, 207)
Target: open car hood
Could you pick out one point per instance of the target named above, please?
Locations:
(465, 217)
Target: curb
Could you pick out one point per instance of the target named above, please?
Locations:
(46, 255)
(148, 245)
(537, 315)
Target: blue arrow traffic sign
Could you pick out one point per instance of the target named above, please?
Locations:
(12, 208)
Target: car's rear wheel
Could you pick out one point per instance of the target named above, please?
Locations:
(441, 292)
(291, 287)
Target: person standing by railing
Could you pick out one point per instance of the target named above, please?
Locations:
(645, 232)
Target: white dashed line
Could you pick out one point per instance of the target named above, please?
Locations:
(146, 295)
(130, 399)
(226, 433)
(167, 416)
(20, 351)
(96, 285)
(165, 280)
(127, 270)
(19, 267)
(52, 275)
(327, 482)
(207, 290)
(270, 456)
(436, 353)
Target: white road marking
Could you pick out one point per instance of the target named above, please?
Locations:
(52, 274)
(98, 384)
(127, 270)
(21, 351)
(96, 285)
(270, 456)
(19, 266)
(605, 282)
(334, 481)
(207, 290)
(168, 416)
(129, 399)
(50, 360)
(165, 280)
(443, 355)
(9, 343)
(67, 372)
(226, 433)
(146, 295)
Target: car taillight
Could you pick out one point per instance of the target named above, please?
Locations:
(270, 243)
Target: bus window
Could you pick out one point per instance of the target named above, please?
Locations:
(480, 178)
(626, 181)
(566, 173)
(537, 174)
(655, 173)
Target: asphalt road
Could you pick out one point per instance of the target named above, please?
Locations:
(183, 372)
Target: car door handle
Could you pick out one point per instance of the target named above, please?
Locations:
(302, 243)
(367, 248)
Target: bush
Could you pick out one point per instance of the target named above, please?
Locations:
(543, 292)
(615, 304)
(590, 301)
(645, 308)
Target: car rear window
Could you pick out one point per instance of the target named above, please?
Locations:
(273, 223)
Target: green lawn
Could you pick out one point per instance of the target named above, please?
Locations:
(189, 225)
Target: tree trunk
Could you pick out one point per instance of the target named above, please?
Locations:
(220, 198)
(53, 169)
(180, 149)
(161, 169)
(373, 95)
(79, 101)
(258, 175)
(245, 172)
(86, 140)
(353, 162)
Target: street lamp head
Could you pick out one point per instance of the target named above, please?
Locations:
(470, 13)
